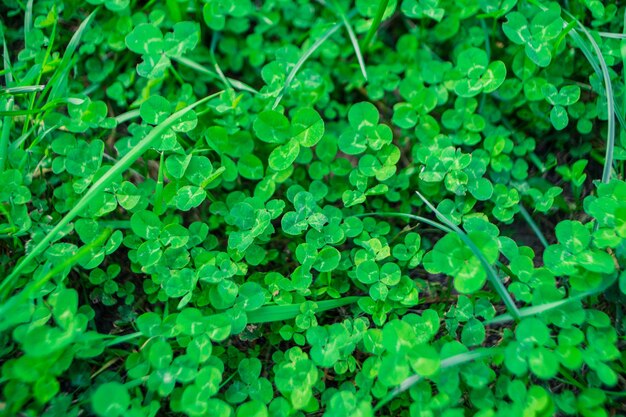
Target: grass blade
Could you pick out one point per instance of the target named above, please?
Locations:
(491, 272)
(610, 100)
(122, 165)
(543, 308)
(378, 18)
(353, 40)
(28, 18)
(533, 225)
(268, 314)
(303, 59)
(460, 359)
(26, 89)
(204, 70)
(129, 115)
(57, 81)
(7, 121)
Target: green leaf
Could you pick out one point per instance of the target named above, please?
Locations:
(110, 400)
(145, 38)
(155, 110)
(271, 126)
(307, 127)
(283, 156)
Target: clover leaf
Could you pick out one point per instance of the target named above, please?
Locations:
(364, 131)
(537, 36)
(156, 50)
(479, 75)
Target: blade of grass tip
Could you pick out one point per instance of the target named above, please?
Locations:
(58, 77)
(610, 140)
(123, 164)
(354, 41)
(206, 71)
(268, 314)
(378, 18)
(491, 272)
(338, 10)
(28, 18)
(129, 115)
(460, 359)
(303, 59)
(533, 225)
(612, 35)
(218, 70)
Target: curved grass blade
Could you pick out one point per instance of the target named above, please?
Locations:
(533, 225)
(378, 18)
(57, 81)
(543, 308)
(302, 60)
(610, 100)
(268, 314)
(355, 45)
(460, 359)
(351, 35)
(123, 164)
(491, 272)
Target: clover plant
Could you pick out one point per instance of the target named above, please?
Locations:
(312, 208)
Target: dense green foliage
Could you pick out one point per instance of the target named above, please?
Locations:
(288, 208)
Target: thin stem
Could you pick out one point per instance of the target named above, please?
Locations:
(533, 225)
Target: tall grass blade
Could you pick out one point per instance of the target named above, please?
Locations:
(610, 100)
(355, 44)
(58, 79)
(122, 165)
(491, 272)
(533, 225)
